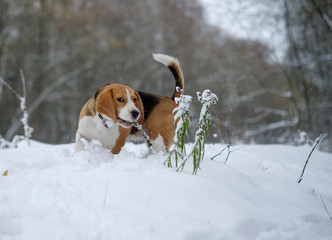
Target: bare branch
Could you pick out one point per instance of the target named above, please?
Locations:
(326, 19)
(27, 129)
(327, 211)
(44, 95)
(244, 98)
(10, 88)
(228, 147)
(23, 84)
(271, 126)
(313, 148)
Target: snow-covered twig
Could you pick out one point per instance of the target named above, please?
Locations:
(207, 98)
(27, 129)
(12, 144)
(143, 133)
(10, 88)
(239, 99)
(46, 93)
(271, 126)
(313, 148)
(4, 143)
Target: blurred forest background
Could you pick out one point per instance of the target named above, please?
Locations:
(68, 48)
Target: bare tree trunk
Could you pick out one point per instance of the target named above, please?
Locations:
(299, 73)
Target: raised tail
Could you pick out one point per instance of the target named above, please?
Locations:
(174, 66)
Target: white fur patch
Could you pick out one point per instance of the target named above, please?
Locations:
(92, 128)
(125, 112)
(165, 59)
(158, 144)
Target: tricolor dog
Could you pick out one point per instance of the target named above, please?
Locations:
(110, 114)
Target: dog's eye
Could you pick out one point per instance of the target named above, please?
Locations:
(134, 100)
(120, 99)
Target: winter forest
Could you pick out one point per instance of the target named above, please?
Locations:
(67, 49)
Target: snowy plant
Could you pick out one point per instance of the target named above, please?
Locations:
(27, 129)
(207, 98)
(182, 120)
(302, 138)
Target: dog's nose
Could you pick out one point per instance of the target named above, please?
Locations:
(134, 114)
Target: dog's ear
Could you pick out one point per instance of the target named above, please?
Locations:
(105, 103)
(140, 107)
(101, 89)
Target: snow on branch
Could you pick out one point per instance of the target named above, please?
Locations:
(239, 99)
(271, 126)
(27, 129)
(144, 134)
(13, 144)
(46, 93)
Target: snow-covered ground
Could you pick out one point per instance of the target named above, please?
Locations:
(51, 193)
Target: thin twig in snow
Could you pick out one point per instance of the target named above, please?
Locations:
(228, 147)
(229, 152)
(105, 196)
(327, 211)
(313, 148)
(51, 207)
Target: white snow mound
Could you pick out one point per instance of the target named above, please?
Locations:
(52, 193)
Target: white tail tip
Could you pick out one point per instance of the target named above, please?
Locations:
(164, 59)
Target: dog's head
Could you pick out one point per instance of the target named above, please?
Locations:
(119, 103)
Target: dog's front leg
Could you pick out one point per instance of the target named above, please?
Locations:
(120, 142)
(79, 145)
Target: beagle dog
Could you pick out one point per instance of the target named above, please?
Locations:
(110, 114)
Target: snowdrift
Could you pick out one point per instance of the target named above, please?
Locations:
(52, 193)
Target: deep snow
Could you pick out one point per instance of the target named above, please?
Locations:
(52, 193)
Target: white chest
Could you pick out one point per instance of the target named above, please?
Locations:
(91, 127)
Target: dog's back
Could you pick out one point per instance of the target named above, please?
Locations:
(158, 110)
